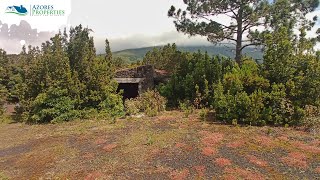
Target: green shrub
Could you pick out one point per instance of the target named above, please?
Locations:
(3, 94)
(204, 112)
(132, 106)
(53, 106)
(223, 104)
(112, 105)
(256, 108)
(186, 107)
(194, 78)
(312, 120)
(150, 102)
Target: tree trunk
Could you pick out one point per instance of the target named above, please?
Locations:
(239, 36)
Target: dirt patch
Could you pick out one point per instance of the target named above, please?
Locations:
(23, 148)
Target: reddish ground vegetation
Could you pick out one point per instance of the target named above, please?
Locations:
(165, 118)
(183, 146)
(100, 141)
(109, 147)
(93, 176)
(155, 152)
(256, 161)
(212, 139)
(100, 150)
(182, 126)
(200, 170)
(306, 147)
(283, 138)
(179, 175)
(236, 144)
(315, 142)
(296, 159)
(208, 151)
(180, 145)
(265, 141)
(88, 155)
(222, 162)
(242, 174)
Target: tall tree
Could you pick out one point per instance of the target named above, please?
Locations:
(108, 52)
(201, 17)
(3, 77)
(165, 58)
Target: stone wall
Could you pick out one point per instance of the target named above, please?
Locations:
(144, 75)
(137, 72)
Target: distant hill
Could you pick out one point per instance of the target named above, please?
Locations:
(133, 55)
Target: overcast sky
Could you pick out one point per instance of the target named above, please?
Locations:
(126, 23)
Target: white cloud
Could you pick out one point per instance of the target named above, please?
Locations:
(140, 40)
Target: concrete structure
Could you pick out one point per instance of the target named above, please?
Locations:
(135, 81)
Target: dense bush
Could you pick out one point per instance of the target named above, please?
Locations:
(62, 80)
(275, 92)
(150, 102)
(53, 106)
(132, 106)
(244, 94)
(3, 93)
(194, 78)
(165, 58)
(312, 120)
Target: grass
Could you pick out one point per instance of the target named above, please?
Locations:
(3, 176)
(166, 146)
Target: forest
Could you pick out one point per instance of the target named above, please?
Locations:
(65, 79)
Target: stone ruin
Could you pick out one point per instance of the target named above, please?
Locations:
(134, 81)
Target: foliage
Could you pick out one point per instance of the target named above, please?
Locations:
(246, 16)
(131, 56)
(150, 102)
(198, 19)
(275, 92)
(108, 52)
(64, 79)
(312, 120)
(204, 113)
(3, 94)
(132, 106)
(186, 107)
(53, 106)
(165, 58)
(279, 60)
(242, 94)
(194, 78)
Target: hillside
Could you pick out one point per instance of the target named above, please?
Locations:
(133, 55)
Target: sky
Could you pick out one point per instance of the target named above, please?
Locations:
(126, 23)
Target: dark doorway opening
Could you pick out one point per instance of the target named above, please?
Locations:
(130, 90)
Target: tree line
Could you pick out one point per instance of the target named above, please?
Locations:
(282, 90)
(62, 80)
